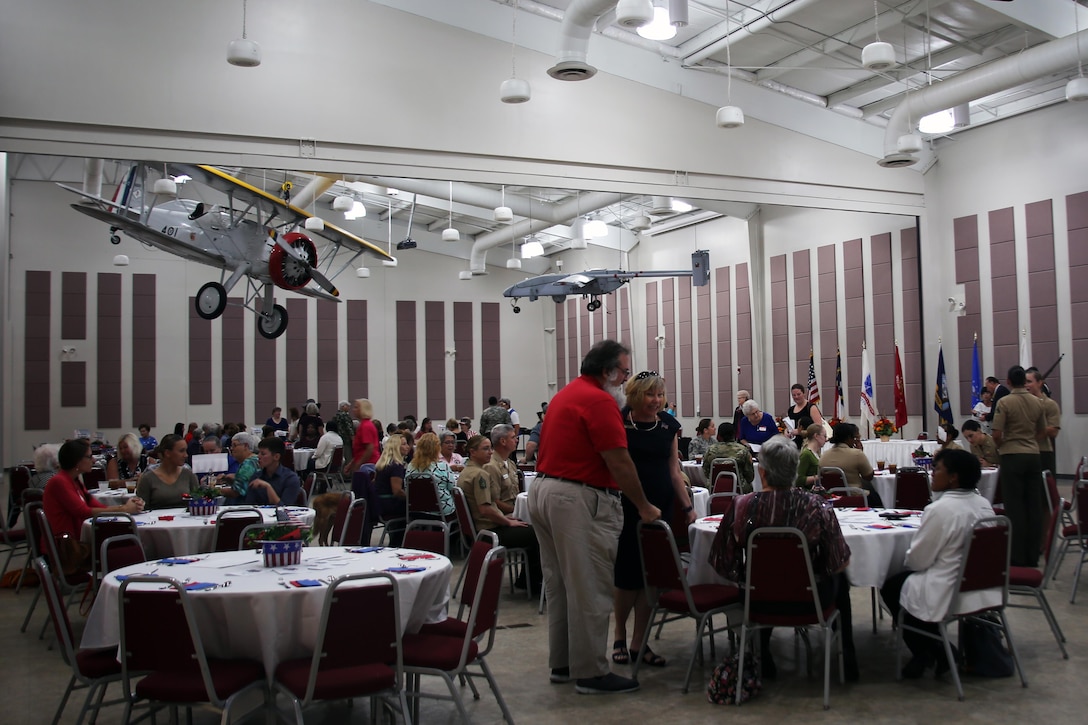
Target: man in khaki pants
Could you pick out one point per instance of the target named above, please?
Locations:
(575, 508)
(1019, 423)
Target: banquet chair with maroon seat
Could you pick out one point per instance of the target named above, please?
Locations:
(678, 522)
(307, 490)
(984, 565)
(720, 465)
(433, 536)
(1080, 533)
(832, 477)
(351, 534)
(229, 524)
(18, 482)
(517, 559)
(12, 542)
(105, 526)
(780, 591)
(725, 482)
(1029, 580)
(171, 668)
(117, 552)
(450, 657)
(421, 491)
(848, 497)
(93, 477)
(675, 598)
(357, 656)
(92, 669)
(30, 495)
(911, 489)
(75, 584)
(721, 504)
(330, 477)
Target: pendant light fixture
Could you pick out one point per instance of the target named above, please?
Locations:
(514, 89)
(244, 52)
(659, 28)
(877, 55)
(1077, 88)
(165, 186)
(449, 234)
(314, 223)
(729, 116)
(504, 213)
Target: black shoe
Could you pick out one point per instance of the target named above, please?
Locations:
(850, 668)
(768, 669)
(560, 675)
(519, 583)
(915, 668)
(610, 684)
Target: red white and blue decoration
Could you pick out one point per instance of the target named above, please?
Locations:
(281, 553)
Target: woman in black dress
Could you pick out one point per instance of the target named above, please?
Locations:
(802, 413)
(652, 442)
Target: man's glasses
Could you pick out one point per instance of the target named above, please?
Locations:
(645, 374)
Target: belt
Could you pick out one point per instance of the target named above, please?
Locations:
(609, 491)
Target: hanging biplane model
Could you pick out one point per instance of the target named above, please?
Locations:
(251, 234)
(596, 282)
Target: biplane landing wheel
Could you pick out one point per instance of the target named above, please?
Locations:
(273, 324)
(211, 300)
(593, 305)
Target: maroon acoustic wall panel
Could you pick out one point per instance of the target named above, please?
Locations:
(624, 335)
(1042, 295)
(853, 276)
(233, 366)
(37, 313)
(73, 306)
(406, 376)
(266, 376)
(1006, 318)
(1076, 213)
(560, 348)
(668, 355)
(910, 346)
(297, 337)
(802, 314)
(744, 331)
(200, 359)
(573, 360)
(705, 353)
(827, 298)
(882, 347)
(434, 334)
(490, 351)
(108, 352)
(144, 359)
(358, 374)
(686, 403)
(73, 384)
(723, 324)
(780, 336)
(464, 365)
(965, 239)
(653, 355)
(328, 358)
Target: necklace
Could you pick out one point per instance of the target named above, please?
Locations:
(639, 425)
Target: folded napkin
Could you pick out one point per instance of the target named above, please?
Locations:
(908, 526)
(144, 523)
(879, 526)
(176, 560)
(200, 586)
(413, 557)
(713, 518)
(405, 569)
(305, 583)
(863, 508)
(366, 550)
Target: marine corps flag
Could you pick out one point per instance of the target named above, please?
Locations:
(813, 386)
(900, 393)
(941, 403)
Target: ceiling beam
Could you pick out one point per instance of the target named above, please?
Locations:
(1053, 18)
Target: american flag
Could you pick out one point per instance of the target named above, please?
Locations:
(813, 386)
(281, 553)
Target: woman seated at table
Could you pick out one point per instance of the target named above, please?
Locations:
(704, 437)
(452, 458)
(162, 487)
(425, 427)
(951, 437)
(66, 502)
(389, 484)
(234, 486)
(45, 464)
(808, 471)
(846, 453)
(427, 461)
(934, 559)
(129, 462)
(756, 426)
(801, 411)
(782, 504)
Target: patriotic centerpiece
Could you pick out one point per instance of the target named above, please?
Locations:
(922, 458)
(280, 545)
(204, 502)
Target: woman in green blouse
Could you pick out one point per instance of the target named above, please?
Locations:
(808, 471)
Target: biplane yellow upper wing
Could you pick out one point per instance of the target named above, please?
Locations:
(224, 182)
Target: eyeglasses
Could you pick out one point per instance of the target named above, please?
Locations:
(644, 374)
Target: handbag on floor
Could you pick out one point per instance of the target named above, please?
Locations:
(722, 688)
(984, 652)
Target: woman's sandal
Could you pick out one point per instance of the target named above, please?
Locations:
(653, 660)
(620, 655)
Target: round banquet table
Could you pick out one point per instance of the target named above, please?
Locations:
(112, 497)
(894, 451)
(700, 501)
(302, 457)
(884, 485)
(256, 613)
(694, 472)
(530, 477)
(877, 547)
(181, 534)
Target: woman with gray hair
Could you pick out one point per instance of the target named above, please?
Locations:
(45, 464)
(780, 504)
(243, 449)
(756, 427)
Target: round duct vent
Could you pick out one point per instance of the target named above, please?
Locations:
(894, 161)
(878, 56)
(572, 70)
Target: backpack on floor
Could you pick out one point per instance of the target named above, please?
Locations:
(722, 688)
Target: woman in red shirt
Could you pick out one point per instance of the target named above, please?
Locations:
(66, 502)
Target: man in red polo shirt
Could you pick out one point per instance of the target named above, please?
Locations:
(575, 507)
(367, 442)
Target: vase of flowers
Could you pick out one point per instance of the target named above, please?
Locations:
(203, 502)
(884, 429)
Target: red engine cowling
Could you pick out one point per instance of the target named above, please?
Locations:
(287, 271)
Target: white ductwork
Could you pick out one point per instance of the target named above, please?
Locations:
(1032, 64)
(560, 214)
(578, 21)
(477, 196)
(92, 177)
(761, 23)
(317, 186)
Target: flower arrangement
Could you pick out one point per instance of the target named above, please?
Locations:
(919, 453)
(884, 428)
(781, 424)
(279, 532)
(834, 422)
(202, 502)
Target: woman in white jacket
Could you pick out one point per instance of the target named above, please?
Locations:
(933, 561)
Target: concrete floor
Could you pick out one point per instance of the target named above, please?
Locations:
(34, 678)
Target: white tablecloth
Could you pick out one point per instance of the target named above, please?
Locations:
(694, 472)
(884, 485)
(180, 534)
(259, 615)
(894, 451)
(521, 508)
(111, 497)
(530, 476)
(875, 553)
(302, 457)
(700, 496)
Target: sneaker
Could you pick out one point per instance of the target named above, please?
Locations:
(609, 684)
(560, 675)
